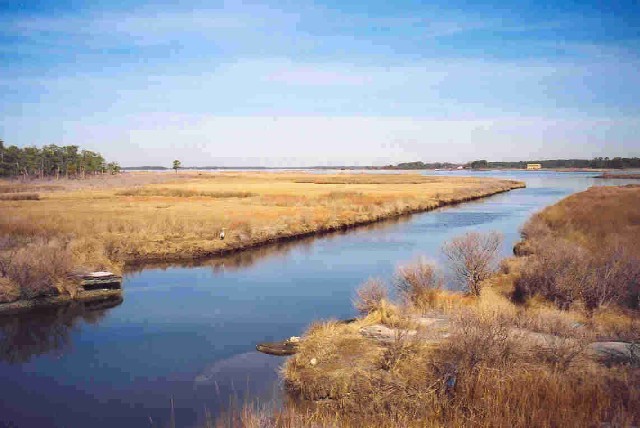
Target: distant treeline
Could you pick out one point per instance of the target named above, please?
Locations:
(145, 168)
(52, 161)
(595, 163)
(422, 165)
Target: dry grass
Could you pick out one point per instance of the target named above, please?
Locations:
(483, 374)
(182, 193)
(503, 363)
(585, 250)
(167, 217)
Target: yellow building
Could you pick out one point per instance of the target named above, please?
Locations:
(534, 166)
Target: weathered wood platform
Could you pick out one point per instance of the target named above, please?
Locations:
(101, 281)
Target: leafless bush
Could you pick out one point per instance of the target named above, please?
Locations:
(534, 227)
(9, 291)
(479, 339)
(40, 266)
(561, 353)
(401, 348)
(473, 258)
(369, 296)
(417, 282)
(566, 273)
(8, 248)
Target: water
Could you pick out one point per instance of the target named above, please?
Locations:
(188, 333)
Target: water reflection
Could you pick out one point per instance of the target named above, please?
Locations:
(24, 336)
(189, 334)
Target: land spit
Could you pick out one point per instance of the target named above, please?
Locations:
(181, 218)
(236, 247)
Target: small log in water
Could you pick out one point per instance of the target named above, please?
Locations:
(284, 348)
(288, 346)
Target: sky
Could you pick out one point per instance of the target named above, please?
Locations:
(306, 83)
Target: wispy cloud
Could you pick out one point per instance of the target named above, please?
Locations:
(96, 75)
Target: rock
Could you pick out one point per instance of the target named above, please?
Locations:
(383, 333)
(616, 352)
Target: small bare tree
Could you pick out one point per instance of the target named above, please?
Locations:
(473, 258)
(369, 296)
(418, 282)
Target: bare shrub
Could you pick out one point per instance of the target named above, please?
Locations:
(535, 227)
(9, 290)
(401, 348)
(8, 248)
(369, 296)
(481, 339)
(40, 267)
(561, 353)
(567, 273)
(555, 273)
(473, 258)
(418, 282)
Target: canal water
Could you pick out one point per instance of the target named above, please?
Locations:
(187, 334)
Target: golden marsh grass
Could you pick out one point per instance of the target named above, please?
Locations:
(504, 362)
(106, 222)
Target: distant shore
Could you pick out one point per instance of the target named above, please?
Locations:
(622, 176)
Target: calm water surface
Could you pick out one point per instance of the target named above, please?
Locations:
(188, 333)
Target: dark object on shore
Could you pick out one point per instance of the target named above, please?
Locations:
(101, 281)
(522, 248)
(621, 176)
(94, 298)
(284, 348)
(98, 290)
(288, 346)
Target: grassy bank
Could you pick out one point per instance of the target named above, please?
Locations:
(107, 222)
(613, 175)
(498, 357)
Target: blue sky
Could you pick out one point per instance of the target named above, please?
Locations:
(320, 83)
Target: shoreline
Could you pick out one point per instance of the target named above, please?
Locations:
(42, 303)
(160, 238)
(620, 176)
(138, 263)
(438, 349)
